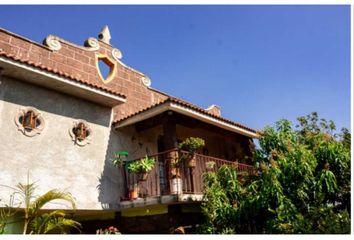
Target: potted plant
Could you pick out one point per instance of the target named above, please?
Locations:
(118, 158)
(175, 176)
(191, 144)
(176, 184)
(210, 165)
(142, 167)
(133, 191)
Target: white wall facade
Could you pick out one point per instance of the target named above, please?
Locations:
(52, 158)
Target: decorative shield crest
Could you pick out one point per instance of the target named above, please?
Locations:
(106, 67)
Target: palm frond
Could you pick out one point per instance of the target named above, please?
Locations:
(60, 224)
(26, 191)
(38, 223)
(49, 196)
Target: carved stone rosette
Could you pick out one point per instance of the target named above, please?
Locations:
(116, 54)
(52, 42)
(92, 43)
(146, 81)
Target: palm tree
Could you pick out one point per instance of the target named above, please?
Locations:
(42, 223)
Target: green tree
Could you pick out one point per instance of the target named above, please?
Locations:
(303, 184)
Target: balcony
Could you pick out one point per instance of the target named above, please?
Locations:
(167, 184)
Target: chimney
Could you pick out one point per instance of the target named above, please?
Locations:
(214, 109)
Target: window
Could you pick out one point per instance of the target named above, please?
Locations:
(81, 132)
(106, 68)
(29, 121)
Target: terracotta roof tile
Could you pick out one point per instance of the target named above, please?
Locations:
(191, 106)
(60, 73)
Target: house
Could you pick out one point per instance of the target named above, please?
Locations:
(63, 119)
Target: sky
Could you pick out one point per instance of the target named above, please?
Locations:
(259, 63)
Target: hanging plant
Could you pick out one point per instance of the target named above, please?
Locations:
(191, 144)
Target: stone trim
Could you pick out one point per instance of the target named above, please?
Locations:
(110, 63)
(33, 132)
(53, 42)
(87, 140)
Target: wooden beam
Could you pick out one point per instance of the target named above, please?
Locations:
(169, 130)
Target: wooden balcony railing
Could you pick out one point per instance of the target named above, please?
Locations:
(162, 179)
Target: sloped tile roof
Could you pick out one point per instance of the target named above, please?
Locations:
(190, 106)
(59, 73)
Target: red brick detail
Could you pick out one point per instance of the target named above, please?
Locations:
(58, 57)
(89, 69)
(20, 43)
(50, 64)
(11, 50)
(74, 63)
(67, 52)
(4, 37)
(82, 58)
(80, 65)
(40, 50)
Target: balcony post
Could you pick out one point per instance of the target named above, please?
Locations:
(170, 142)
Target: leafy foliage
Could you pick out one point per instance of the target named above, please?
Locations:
(303, 185)
(7, 211)
(192, 144)
(36, 222)
(143, 165)
(118, 158)
(52, 222)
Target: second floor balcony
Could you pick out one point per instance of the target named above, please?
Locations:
(176, 177)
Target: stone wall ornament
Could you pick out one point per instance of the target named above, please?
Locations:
(116, 54)
(105, 35)
(146, 81)
(92, 43)
(110, 63)
(52, 42)
(39, 121)
(74, 134)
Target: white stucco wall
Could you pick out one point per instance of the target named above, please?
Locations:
(137, 144)
(51, 158)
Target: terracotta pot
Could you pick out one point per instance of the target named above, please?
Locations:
(133, 194)
(192, 162)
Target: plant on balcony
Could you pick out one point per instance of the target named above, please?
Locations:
(133, 191)
(175, 175)
(210, 165)
(191, 144)
(176, 183)
(142, 167)
(118, 158)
